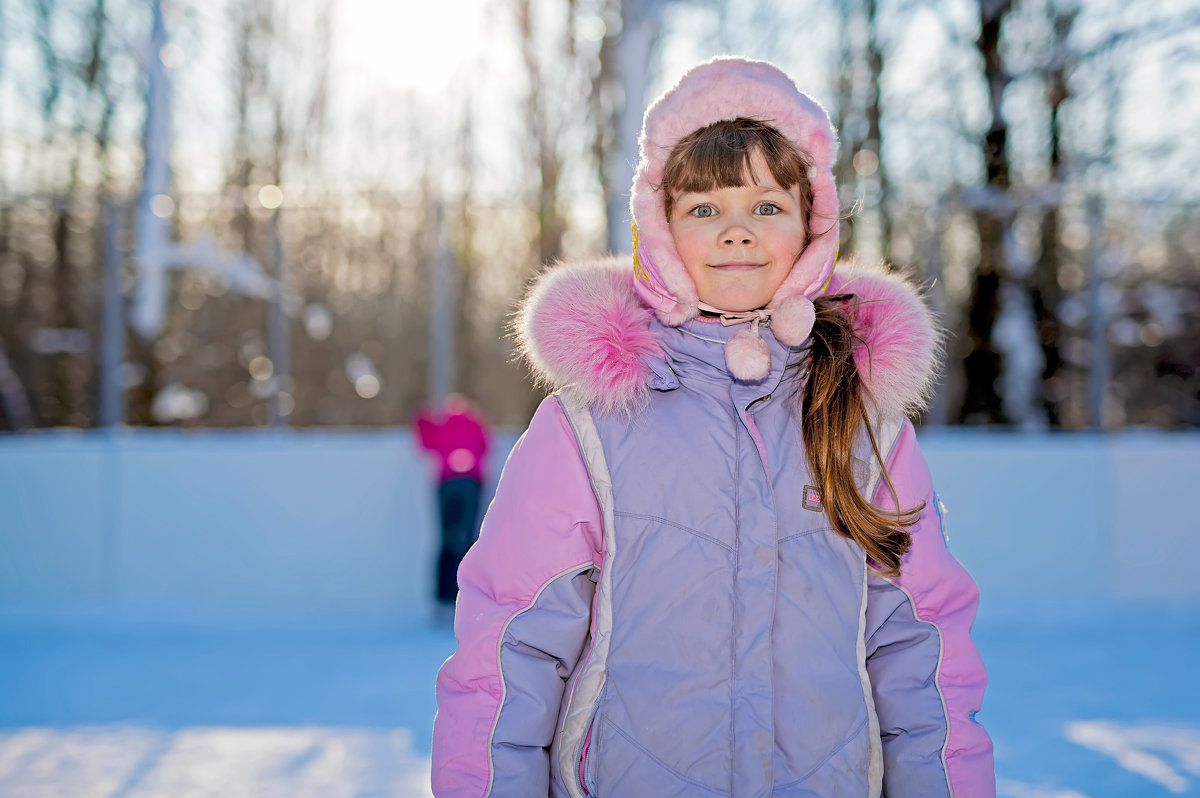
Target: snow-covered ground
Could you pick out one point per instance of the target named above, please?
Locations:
(1094, 701)
(119, 707)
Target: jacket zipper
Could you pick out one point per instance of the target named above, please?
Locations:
(585, 765)
(584, 771)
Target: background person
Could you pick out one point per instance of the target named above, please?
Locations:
(458, 437)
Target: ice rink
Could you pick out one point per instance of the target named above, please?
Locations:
(1097, 701)
(139, 656)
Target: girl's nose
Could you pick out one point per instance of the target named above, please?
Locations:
(738, 234)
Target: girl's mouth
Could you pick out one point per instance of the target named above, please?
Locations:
(736, 266)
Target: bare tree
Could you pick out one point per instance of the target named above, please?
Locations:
(1045, 291)
(873, 146)
(544, 129)
(605, 100)
(982, 361)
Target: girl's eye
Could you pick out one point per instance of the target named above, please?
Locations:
(704, 211)
(768, 209)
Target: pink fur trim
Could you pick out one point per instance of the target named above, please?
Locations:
(581, 324)
(901, 343)
(722, 89)
(747, 355)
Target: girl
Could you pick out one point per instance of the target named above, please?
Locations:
(714, 564)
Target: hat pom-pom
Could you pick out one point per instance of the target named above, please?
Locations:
(747, 356)
(794, 320)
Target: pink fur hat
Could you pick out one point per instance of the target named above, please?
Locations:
(723, 89)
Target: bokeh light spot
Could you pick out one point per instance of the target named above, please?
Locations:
(367, 386)
(261, 368)
(866, 162)
(162, 206)
(270, 196)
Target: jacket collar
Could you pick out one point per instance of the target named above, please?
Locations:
(695, 351)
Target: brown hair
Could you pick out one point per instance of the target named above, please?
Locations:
(832, 409)
(833, 412)
(718, 156)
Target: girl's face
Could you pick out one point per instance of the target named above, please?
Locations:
(738, 244)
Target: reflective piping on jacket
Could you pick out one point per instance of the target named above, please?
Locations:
(875, 745)
(937, 677)
(574, 569)
(588, 687)
(888, 430)
(686, 331)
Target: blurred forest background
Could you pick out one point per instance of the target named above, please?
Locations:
(300, 212)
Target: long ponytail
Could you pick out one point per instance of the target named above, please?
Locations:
(833, 414)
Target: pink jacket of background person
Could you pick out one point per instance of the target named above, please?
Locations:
(457, 436)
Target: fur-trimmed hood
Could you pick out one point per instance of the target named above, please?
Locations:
(724, 89)
(583, 325)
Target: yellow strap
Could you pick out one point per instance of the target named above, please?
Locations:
(829, 279)
(639, 271)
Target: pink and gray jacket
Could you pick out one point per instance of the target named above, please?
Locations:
(658, 605)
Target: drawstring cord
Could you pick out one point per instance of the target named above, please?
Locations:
(731, 318)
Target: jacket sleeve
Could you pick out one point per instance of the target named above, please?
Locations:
(926, 675)
(426, 429)
(522, 619)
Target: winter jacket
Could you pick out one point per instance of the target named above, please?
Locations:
(457, 437)
(658, 604)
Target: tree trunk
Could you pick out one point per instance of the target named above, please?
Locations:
(982, 362)
(874, 142)
(1045, 292)
(634, 50)
(543, 134)
(847, 178)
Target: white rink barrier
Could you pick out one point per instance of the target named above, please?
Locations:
(344, 521)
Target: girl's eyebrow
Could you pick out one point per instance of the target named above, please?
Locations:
(766, 188)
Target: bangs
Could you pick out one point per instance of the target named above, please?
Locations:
(718, 156)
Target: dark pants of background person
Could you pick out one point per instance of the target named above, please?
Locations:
(458, 503)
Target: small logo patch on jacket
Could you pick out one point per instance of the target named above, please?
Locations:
(812, 498)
